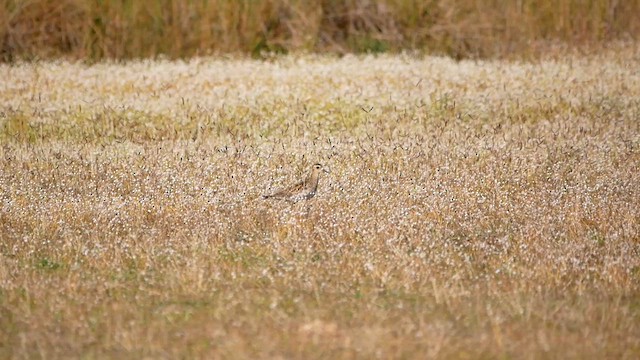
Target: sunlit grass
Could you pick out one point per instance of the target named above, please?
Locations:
(473, 209)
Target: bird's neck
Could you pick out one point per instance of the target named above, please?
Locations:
(312, 179)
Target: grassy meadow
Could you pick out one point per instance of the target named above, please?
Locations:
(474, 209)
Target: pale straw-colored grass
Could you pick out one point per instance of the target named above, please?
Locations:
(473, 209)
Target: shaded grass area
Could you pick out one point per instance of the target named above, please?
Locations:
(351, 320)
(179, 29)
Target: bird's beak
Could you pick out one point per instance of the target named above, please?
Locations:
(327, 171)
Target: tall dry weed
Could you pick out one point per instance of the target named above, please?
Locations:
(177, 29)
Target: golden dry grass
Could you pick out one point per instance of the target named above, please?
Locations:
(473, 210)
(125, 29)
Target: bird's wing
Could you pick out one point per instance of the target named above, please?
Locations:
(287, 192)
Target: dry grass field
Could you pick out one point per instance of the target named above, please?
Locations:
(126, 29)
(474, 209)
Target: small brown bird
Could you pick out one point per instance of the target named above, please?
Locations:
(303, 190)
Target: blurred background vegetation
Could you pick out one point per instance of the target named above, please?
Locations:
(121, 29)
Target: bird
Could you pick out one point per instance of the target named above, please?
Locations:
(302, 190)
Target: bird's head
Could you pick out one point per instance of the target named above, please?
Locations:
(318, 167)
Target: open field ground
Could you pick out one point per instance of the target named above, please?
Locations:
(481, 209)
